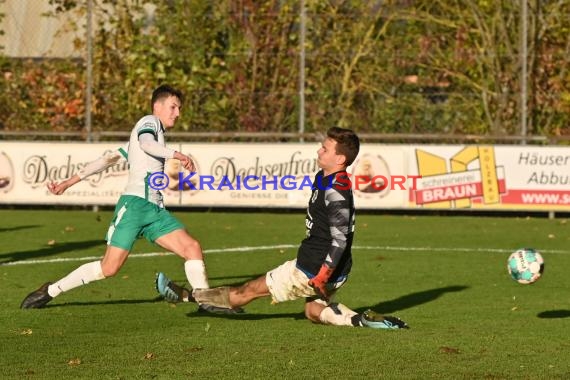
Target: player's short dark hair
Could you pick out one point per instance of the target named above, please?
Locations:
(162, 92)
(347, 143)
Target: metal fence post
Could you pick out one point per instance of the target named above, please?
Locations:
(303, 26)
(89, 74)
(524, 63)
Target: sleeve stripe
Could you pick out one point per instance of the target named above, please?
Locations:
(143, 131)
(123, 153)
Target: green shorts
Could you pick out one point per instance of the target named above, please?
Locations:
(135, 217)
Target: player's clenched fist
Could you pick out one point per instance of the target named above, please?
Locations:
(185, 161)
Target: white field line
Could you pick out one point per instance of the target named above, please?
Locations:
(270, 247)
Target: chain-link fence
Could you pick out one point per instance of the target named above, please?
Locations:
(430, 70)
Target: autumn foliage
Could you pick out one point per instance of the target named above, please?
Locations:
(425, 67)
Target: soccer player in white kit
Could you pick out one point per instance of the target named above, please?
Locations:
(140, 210)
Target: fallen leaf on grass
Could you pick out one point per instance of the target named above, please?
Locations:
(69, 229)
(149, 356)
(448, 350)
(74, 362)
(26, 332)
(51, 242)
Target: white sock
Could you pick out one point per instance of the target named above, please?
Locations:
(81, 276)
(196, 274)
(337, 314)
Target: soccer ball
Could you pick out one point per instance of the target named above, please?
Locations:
(525, 265)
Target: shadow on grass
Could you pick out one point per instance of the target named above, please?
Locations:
(551, 314)
(51, 250)
(107, 303)
(412, 300)
(18, 228)
(387, 307)
(194, 313)
(247, 316)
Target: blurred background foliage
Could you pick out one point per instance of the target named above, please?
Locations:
(394, 66)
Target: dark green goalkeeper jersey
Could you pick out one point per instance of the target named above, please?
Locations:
(330, 226)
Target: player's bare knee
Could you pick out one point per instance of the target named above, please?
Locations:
(193, 250)
(195, 245)
(109, 271)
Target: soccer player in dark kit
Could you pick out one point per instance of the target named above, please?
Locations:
(324, 258)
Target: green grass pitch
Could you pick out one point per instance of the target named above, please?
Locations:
(444, 275)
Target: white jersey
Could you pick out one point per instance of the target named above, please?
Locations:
(145, 153)
(142, 164)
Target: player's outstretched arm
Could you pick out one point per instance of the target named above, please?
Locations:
(59, 188)
(106, 160)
